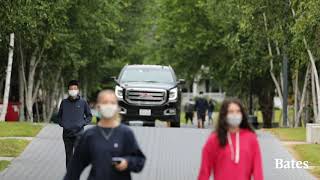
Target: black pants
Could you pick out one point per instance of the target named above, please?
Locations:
(201, 117)
(189, 116)
(71, 139)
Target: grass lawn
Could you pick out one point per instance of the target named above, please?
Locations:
(19, 129)
(301, 152)
(94, 120)
(289, 134)
(12, 147)
(310, 153)
(183, 118)
(277, 115)
(4, 165)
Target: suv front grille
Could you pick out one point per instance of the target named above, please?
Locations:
(141, 96)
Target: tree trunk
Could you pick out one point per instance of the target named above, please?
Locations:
(307, 109)
(281, 82)
(266, 104)
(1, 87)
(316, 79)
(32, 89)
(21, 83)
(53, 97)
(281, 77)
(37, 111)
(8, 79)
(50, 96)
(21, 96)
(314, 98)
(275, 81)
(296, 94)
(30, 84)
(44, 104)
(304, 92)
(316, 89)
(85, 90)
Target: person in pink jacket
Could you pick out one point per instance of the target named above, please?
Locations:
(232, 152)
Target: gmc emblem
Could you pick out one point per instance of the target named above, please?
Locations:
(145, 95)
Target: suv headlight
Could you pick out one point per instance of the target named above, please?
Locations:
(173, 94)
(119, 92)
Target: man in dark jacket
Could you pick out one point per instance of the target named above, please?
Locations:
(74, 114)
(201, 107)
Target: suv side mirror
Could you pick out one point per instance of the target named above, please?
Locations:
(113, 78)
(181, 81)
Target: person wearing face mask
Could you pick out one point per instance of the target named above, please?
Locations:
(74, 113)
(110, 146)
(232, 151)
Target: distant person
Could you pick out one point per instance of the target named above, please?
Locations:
(110, 147)
(201, 108)
(232, 151)
(210, 111)
(94, 112)
(74, 114)
(189, 109)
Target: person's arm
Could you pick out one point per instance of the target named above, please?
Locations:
(87, 113)
(207, 105)
(196, 105)
(257, 171)
(186, 107)
(80, 160)
(135, 157)
(60, 114)
(207, 160)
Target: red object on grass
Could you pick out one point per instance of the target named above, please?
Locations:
(12, 111)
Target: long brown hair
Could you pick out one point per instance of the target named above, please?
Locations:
(222, 126)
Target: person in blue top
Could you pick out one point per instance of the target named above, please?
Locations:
(210, 111)
(201, 108)
(74, 114)
(110, 147)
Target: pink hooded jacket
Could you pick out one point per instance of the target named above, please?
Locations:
(240, 159)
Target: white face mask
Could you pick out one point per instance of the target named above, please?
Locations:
(234, 120)
(73, 93)
(108, 111)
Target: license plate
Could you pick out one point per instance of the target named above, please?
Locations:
(145, 112)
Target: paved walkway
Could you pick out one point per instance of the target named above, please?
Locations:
(6, 158)
(173, 154)
(21, 138)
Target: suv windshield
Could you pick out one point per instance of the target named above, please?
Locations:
(156, 75)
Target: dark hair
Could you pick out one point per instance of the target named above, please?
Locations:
(201, 92)
(222, 126)
(73, 83)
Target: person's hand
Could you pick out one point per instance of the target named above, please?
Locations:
(122, 166)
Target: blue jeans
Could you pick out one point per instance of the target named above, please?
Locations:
(210, 115)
